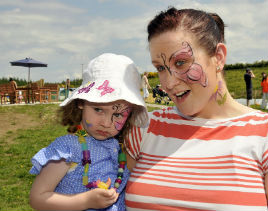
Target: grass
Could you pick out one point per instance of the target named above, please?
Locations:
(18, 147)
(236, 84)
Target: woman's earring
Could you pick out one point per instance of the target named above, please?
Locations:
(218, 69)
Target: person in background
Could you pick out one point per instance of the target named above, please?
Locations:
(208, 152)
(247, 77)
(12, 94)
(145, 85)
(86, 169)
(68, 86)
(264, 85)
(264, 76)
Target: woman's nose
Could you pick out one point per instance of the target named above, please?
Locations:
(171, 81)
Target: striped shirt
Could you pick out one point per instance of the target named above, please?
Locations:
(199, 164)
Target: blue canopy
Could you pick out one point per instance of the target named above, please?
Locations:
(28, 62)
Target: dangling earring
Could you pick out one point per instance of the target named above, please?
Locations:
(218, 69)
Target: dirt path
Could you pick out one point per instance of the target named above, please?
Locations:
(15, 122)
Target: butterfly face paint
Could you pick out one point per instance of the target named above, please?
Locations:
(120, 116)
(218, 94)
(182, 66)
(88, 124)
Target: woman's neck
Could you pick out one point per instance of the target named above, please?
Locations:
(230, 108)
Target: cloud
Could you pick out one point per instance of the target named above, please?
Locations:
(69, 34)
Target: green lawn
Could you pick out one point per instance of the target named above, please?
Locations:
(17, 148)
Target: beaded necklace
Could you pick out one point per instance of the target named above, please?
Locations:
(86, 161)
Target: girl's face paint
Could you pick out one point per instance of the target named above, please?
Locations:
(88, 124)
(121, 115)
(105, 120)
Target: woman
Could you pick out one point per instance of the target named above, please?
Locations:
(208, 152)
(145, 85)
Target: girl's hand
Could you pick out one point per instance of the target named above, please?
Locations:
(100, 198)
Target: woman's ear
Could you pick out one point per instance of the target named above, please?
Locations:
(220, 55)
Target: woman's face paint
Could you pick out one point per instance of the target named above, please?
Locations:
(218, 95)
(182, 66)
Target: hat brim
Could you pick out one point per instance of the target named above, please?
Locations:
(99, 92)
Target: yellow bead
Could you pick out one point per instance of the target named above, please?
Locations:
(86, 168)
(85, 180)
(81, 139)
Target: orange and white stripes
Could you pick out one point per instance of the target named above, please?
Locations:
(197, 164)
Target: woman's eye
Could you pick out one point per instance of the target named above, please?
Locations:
(160, 68)
(179, 63)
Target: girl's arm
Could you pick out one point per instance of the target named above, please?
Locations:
(43, 197)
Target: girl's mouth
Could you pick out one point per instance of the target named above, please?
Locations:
(102, 133)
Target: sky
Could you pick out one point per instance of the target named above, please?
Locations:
(67, 34)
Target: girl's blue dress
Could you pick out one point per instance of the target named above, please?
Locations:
(104, 164)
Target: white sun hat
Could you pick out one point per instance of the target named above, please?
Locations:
(110, 77)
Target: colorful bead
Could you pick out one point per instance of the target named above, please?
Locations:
(86, 154)
(116, 185)
(122, 157)
(86, 161)
(118, 180)
(84, 146)
(85, 180)
(86, 167)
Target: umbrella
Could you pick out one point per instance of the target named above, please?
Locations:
(28, 62)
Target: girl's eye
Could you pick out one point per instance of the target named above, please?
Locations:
(160, 68)
(118, 115)
(98, 110)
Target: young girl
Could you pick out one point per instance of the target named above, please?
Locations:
(86, 169)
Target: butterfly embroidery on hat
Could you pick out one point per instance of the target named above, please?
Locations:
(87, 88)
(106, 89)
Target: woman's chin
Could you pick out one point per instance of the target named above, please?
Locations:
(187, 112)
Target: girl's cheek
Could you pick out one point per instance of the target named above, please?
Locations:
(119, 125)
(88, 124)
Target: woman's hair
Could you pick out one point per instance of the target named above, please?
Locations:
(71, 116)
(207, 27)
